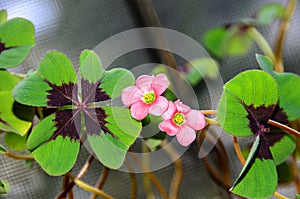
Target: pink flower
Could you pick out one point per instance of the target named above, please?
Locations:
(144, 98)
(182, 121)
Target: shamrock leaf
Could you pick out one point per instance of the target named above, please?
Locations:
(9, 121)
(249, 100)
(16, 41)
(82, 112)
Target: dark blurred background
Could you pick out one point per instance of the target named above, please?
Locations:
(73, 25)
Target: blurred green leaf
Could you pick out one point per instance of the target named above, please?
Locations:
(170, 95)
(298, 196)
(9, 121)
(146, 121)
(15, 142)
(28, 163)
(196, 69)
(3, 16)
(228, 41)
(214, 39)
(269, 12)
(153, 143)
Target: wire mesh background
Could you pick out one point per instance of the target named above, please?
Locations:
(74, 25)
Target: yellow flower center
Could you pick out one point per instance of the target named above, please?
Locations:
(178, 119)
(149, 97)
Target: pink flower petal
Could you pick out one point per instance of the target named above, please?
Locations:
(195, 119)
(186, 135)
(144, 83)
(131, 95)
(169, 127)
(169, 112)
(159, 106)
(139, 110)
(160, 83)
(182, 108)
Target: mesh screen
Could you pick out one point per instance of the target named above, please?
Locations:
(71, 26)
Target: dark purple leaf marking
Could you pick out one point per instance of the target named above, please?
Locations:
(263, 151)
(68, 124)
(272, 138)
(68, 121)
(92, 93)
(258, 118)
(3, 48)
(95, 121)
(66, 94)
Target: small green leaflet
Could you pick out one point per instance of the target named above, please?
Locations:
(9, 121)
(16, 41)
(288, 85)
(249, 100)
(83, 112)
(268, 13)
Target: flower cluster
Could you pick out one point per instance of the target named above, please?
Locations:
(178, 118)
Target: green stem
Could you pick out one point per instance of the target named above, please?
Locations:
(261, 42)
(40, 113)
(212, 122)
(290, 8)
(19, 157)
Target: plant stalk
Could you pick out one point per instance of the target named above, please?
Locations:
(290, 8)
(261, 42)
(19, 157)
(89, 188)
(102, 181)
